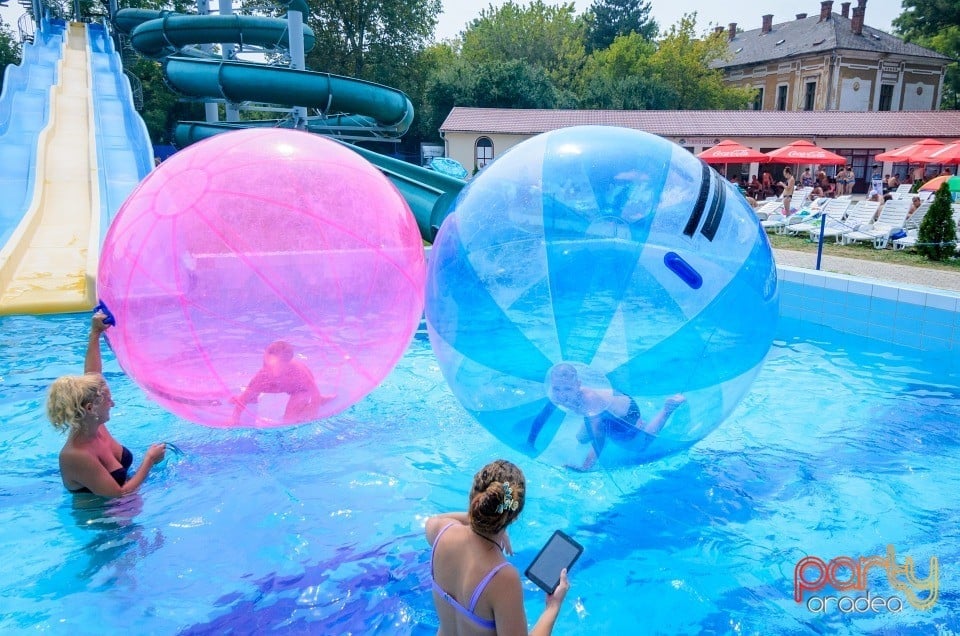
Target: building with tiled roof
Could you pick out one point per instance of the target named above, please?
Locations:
(831, 61)
(475, 136)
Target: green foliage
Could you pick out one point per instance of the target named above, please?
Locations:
(161, 108)
(370, 39)
(9, 49)
(927, 17)
(618, 77)
(423, 72)
(496, 84)
(545, 37)
(681, 66)
(610, 19)
(938, 232)
(935, 24)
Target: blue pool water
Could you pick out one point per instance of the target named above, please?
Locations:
(842, 446)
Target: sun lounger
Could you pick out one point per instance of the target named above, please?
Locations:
(909, 240)
(914, 220)
(902, 191)
(834, 211)
(768, 208)
(892, 217)
(857, 215)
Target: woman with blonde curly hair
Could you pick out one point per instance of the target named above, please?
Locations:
(91, 460)
(475, 590)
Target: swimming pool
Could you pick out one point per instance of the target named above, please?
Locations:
(843, 446)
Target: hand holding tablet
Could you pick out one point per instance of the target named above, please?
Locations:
(559, 553)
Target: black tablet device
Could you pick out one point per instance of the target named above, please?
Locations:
(560, 552)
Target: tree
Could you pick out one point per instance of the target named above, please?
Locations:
(927, 17)
(682, 66)
(545, 37)
(938, 231)
(161, 108)
(495, 84)
(370, 39)
(421, 77)
(612, 18)
(618, 77)
(935, 24)
(9, 49)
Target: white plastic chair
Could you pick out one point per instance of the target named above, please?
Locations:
(892, 217)
(832, 214)
(902, 191)
(768, 208)
(857, 215)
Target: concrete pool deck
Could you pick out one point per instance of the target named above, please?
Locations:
(888, 272)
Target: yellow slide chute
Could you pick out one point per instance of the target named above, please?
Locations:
(49, 264)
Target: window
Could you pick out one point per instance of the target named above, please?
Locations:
(809, 94)
(886, 97)
(782, 97)
(758, 99)
(483, 152)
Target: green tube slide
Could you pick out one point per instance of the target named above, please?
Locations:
(165, 35)
(429, 194)
(351, 106)
(246, 81)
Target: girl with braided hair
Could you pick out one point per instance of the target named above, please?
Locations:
(475, 590)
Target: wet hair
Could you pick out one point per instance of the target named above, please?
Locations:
(281, 349)
(67, 397)
(487, 494)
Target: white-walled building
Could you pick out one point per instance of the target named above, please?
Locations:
(475, 136)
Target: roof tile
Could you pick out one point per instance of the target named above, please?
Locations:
(810, 35)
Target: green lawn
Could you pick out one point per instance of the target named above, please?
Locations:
(863, 251)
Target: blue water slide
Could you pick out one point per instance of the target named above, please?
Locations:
(24, 112)
(124, 151)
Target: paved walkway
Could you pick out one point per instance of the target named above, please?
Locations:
(937, 278)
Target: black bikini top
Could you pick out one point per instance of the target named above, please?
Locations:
(120, 474)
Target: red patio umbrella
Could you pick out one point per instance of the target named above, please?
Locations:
(947, 153)
(805, 152)
(728, 151)
(911, 153)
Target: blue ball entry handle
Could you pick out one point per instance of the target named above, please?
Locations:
(683, 269)
(109, 320)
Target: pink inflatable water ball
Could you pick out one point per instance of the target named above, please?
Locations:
(262, 278)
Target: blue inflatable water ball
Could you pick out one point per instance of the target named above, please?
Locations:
(600, 297)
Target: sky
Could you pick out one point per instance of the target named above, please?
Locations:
(746, 13)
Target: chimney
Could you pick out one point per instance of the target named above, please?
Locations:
(718, 29)
(845, 9)
(863, 11)
(826, 10)
(801, 16)
(856, 23)
(767, 23)
(731, 30)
